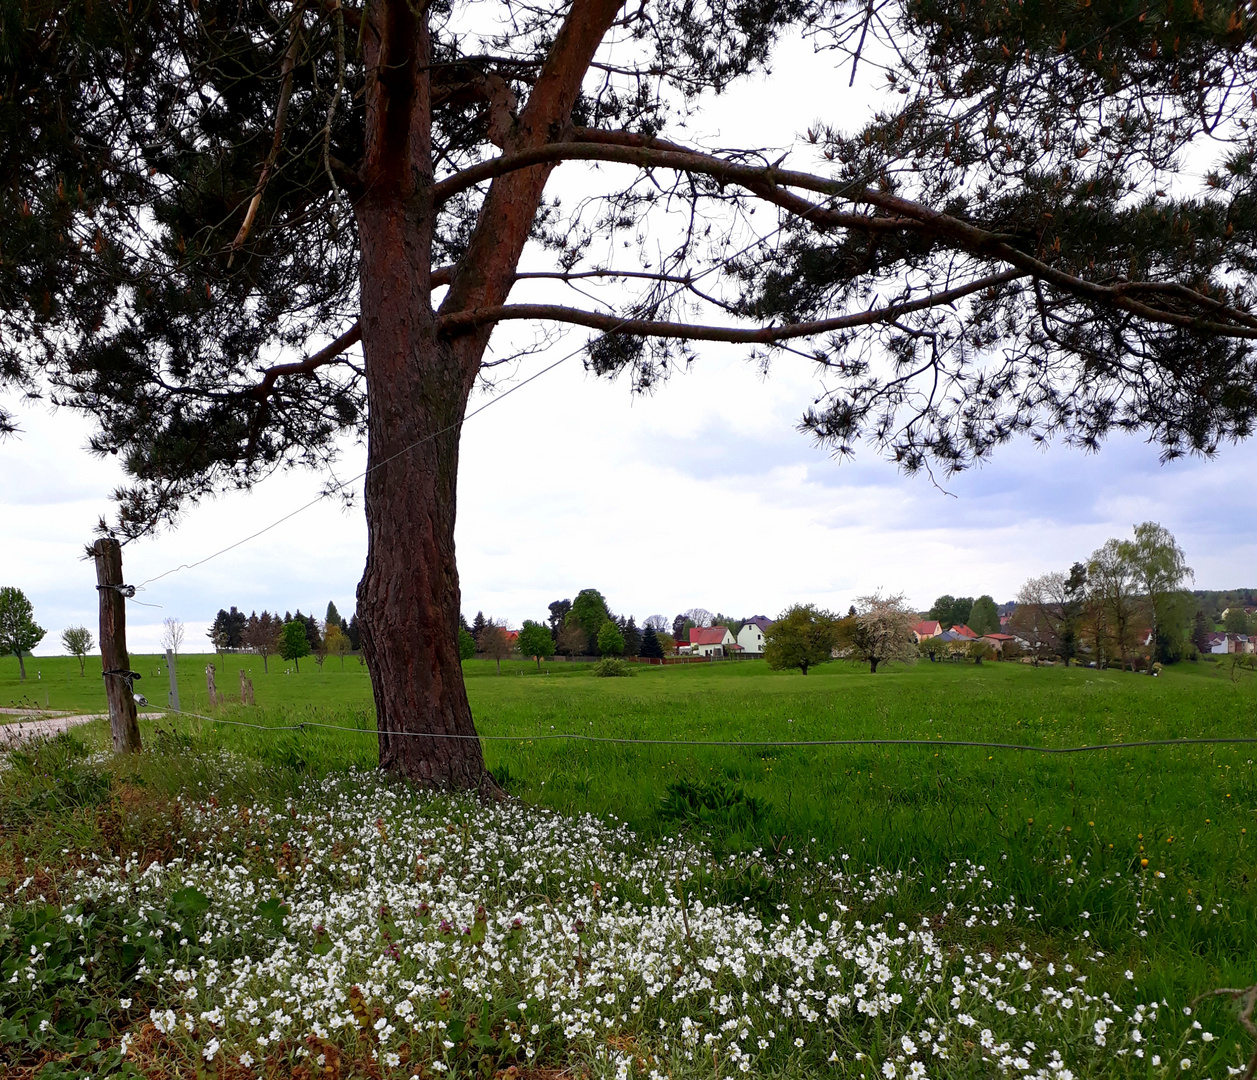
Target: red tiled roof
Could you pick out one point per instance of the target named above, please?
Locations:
(963, 631)
(1000, 637)
(928, 627)
(707, 635)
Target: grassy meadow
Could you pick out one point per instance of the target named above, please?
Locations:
(1140, 862)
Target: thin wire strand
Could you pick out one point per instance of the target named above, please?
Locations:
(436, 434)
(758, 743)
(354, 479)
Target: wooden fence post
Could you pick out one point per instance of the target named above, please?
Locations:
(171, 663)
(209, 685)
(115, 662)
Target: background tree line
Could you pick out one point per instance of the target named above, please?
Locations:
(1125, 604)
(290, 636)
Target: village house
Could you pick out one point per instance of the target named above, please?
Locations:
(751, 636)
(712, 641)
(927, 628)
(1228, 644)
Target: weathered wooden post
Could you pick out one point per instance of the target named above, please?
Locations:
(209, 685)
(115, 662)
(174, 680)
(246, 689)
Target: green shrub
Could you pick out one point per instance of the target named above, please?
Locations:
(611, 667)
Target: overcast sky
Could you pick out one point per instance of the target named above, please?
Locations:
(704, 494)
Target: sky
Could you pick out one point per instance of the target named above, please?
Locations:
(703, 494)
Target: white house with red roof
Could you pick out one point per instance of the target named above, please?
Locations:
(711, 641)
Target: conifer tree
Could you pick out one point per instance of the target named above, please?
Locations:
(189, 189)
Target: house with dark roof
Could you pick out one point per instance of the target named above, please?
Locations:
(751, 636)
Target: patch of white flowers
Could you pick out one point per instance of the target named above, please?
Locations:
(425, 932)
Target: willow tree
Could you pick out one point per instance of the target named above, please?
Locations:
(234, 230)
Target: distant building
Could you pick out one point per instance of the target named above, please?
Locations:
(964, 632)
(927, 628)
(711, 641)
(997, 641)
(1246, 610)
(1227, 644)
(751, 636)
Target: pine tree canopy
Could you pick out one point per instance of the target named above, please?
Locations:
(1016, 242)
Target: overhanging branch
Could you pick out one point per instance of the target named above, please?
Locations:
(899, 214)
(324, 356)
(464, 321)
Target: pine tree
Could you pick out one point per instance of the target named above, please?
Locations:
(650, 646)
(333, 616)
(187, 191)
(632, 637)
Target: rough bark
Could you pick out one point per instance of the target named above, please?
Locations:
(419, 380)
(408, 599)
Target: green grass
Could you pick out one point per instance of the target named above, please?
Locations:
(1064, 834)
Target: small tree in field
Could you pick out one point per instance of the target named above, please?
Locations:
(172, 634)
(610, 640)
(1160, 570)
(881, 631)
(293, 643)
(336, 642)
(802, 637)
(573, 641)
(19, 633)
(494, 643)
(262, 635)
(77, 641)
(535, 641)
(466, 644)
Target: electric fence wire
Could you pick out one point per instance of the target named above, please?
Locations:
(340, 485)
(751, 744)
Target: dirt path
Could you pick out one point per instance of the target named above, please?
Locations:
(42, 724)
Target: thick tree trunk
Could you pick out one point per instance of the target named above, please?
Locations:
(409, 600)
(417, 391)
(21, 665)
(418, 382)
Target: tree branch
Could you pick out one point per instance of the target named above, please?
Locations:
(281, 117)
(767, 181)
(324, 356)
(464, 321)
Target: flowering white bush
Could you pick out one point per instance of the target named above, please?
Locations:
(430, 933)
